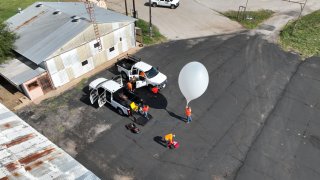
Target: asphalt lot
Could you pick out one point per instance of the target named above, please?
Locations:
(257, 120)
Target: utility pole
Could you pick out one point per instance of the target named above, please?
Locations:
(150, 23)
(247, 4)
(125, 5)
(134, 9)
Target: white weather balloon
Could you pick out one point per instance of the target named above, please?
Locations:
(193, 80)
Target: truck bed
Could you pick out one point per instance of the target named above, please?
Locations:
(129, 97)
(127, 62)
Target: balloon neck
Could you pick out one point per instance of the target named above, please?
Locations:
(188, 103)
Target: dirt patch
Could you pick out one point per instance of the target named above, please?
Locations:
(64, 120)
(95, 131)
(122, 177)
(9, 95)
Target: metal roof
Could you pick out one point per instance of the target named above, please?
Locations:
(26, 154)
(19, 71)
(42, 31)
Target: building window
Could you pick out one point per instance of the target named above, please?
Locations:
(96, 45)
(32, 85)
(84, 62)
(121, 39)
(111, 49)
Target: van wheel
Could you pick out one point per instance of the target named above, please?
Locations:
(154, 4)
(120, 111)
(172, 6)
(124, 76)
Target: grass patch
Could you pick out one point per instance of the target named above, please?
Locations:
(303, 35)
(156, 38)
(9, 8)
(81, 84)
(251, 19)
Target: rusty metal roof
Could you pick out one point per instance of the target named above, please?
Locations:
(26, 154)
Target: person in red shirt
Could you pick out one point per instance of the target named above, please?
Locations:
(145, 110)
(188, 114)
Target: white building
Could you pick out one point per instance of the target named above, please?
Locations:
(57, 44)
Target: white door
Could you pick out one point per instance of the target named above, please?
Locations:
(162, 3)
(102, 99)
(140, 84)
(135, 73)
(167, 3)
(93, 96)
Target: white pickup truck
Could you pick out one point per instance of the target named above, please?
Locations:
(112, 92)
(130, 67)
(166, 3)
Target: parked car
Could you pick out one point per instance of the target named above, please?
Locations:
(166, 3)
(132, 67)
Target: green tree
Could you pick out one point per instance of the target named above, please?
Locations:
(7, 39)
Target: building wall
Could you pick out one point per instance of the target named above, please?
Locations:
(35, 91)
(84, 58)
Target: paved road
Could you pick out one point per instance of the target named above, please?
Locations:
(191, 19)
(199, 18)
(257, 120)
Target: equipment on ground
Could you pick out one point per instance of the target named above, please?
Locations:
(133, 128)
(173, 145)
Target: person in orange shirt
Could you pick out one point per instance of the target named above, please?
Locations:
(188, 114)
(142, 74)
(145, 110)
(129, 86)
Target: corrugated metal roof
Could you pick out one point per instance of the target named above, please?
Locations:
(19, 71)
(42, 32)
(26, 154)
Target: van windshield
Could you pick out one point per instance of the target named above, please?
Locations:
(152, 73)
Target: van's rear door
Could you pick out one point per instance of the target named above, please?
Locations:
(94, 96)
(102, 99)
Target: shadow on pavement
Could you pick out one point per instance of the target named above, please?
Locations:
(159, 140)
(176, 116)
(156, 101)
